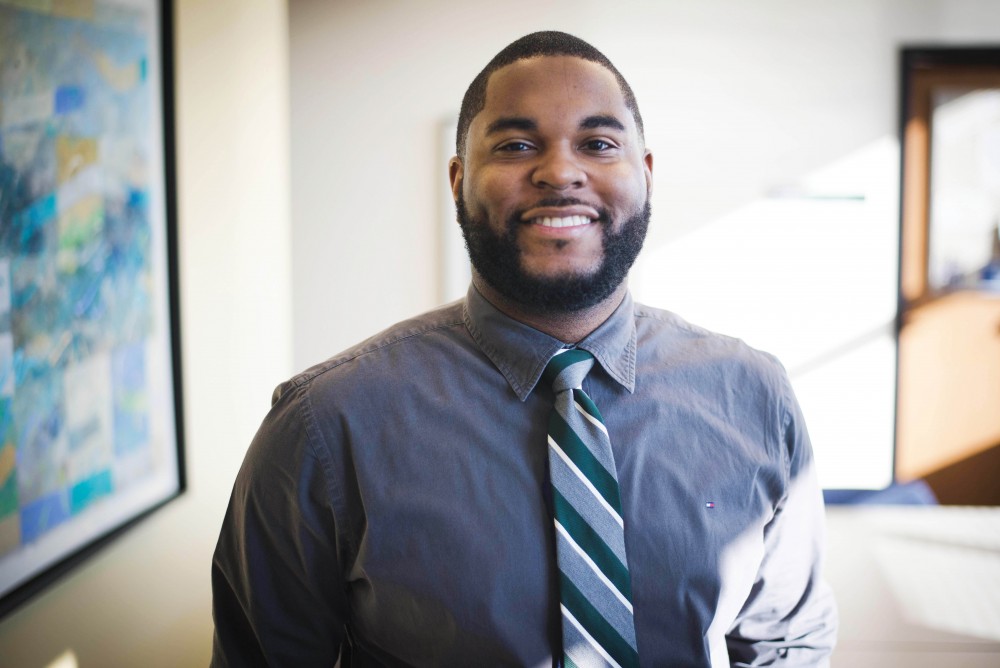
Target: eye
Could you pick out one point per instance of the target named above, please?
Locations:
(598, 145)
(515, 147)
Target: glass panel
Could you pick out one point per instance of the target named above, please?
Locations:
(964, 187)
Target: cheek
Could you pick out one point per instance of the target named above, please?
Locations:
(627, 193)
(494, 193)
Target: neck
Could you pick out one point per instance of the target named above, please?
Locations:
(570, 327)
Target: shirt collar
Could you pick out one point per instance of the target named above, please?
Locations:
(520, 352)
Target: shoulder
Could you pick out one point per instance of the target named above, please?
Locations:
(669, 339)
(415, 341)
(721, 377)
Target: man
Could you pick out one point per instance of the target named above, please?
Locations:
(446, 493)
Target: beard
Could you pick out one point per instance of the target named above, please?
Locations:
(497, 259)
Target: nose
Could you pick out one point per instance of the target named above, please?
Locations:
(559, 169)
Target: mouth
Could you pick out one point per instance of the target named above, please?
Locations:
(576, 215)
(568, 221)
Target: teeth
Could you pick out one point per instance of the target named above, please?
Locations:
(569, 221)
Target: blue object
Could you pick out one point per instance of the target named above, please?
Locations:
(43, 515)
(69, 99)
(915, 493)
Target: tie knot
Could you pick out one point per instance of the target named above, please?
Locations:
(567, 370)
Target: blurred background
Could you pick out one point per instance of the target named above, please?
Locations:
(313, 139)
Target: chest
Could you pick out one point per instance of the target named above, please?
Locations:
(455, 549)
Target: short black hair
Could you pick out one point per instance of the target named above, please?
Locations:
(546, 43)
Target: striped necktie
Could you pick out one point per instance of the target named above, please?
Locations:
(595, 588)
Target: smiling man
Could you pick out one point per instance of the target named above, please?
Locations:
(545, 473)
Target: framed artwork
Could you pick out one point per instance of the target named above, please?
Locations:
(90, 410)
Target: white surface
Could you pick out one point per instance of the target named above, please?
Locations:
(916, 586)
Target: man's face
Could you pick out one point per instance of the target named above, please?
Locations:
(553, 193)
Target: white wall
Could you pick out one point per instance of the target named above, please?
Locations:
(145, 600)
(756, 112)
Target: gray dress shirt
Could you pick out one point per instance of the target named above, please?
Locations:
(395, 502)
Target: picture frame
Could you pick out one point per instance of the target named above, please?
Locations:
(91, 423)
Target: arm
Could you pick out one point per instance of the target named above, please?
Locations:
(278, 594)
(790, 617)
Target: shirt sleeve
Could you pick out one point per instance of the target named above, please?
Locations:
(790, 617)
(278, 594)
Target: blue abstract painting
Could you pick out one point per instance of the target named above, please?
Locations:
(85, 416)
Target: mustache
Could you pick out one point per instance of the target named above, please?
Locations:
(560, 201)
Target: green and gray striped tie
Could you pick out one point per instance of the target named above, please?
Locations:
(595, 588)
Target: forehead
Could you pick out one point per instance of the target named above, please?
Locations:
(562, 85)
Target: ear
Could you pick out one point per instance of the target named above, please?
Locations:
(456, 171)
(647, 161)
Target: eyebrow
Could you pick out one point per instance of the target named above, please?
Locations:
(601, 121)
(511, 123)
(529, 125)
